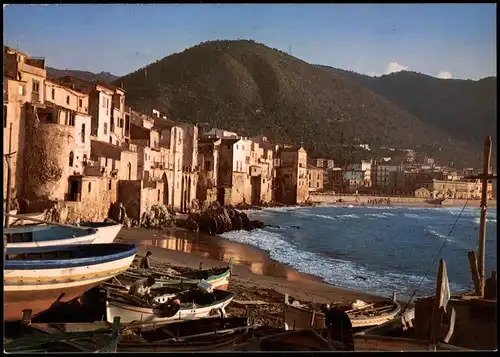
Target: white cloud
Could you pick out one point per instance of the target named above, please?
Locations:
(444, 75)
(395, 67)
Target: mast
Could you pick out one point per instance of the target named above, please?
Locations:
(484, 201)
(8, 157)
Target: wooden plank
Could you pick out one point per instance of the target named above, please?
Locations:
(475, 275)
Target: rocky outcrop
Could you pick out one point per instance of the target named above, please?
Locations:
(217, 219)
(158, 217)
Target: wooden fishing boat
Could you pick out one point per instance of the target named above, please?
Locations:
(37, 280)
(33, 236)
(362, 315)
(107, 232)
(195, 304)
(217, 277)
(206, 334)
(57, 234)
(49, 339)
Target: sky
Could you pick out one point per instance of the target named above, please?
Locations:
(441, 40)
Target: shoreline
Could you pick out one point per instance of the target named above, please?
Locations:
(253, 269)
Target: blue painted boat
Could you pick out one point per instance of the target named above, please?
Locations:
(32, 236)
(37, 278)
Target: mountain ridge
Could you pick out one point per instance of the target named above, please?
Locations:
(90, 76)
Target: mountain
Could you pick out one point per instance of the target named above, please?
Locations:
(463, 109)
(252, 89)
(103, 76)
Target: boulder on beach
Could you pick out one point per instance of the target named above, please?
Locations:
(157, 217)
(217, 219)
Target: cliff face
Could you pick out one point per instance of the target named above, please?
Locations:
(252, 89)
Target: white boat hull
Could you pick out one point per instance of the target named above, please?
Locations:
(129, 313)
(87, 239)
(107, 234)
(39, 289)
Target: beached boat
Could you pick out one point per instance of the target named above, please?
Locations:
(34, 236)
(36, 280)
(35, 338)
(362, 315)
(195, 304)
(217, 277)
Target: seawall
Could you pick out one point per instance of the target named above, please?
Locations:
(360, 199)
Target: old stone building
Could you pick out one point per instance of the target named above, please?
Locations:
(232, 182)
(107, 108)
(208, 163)
(459, 189)
(291, 175)
(24, 78)
(315, 178)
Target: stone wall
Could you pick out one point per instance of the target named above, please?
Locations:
(138, 198)
(241, 189)
(97, 196)
(129, 194)
(46, 158)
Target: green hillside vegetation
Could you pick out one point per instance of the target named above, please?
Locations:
(464, 109)
(252, 89)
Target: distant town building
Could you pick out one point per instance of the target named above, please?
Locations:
(291, 175)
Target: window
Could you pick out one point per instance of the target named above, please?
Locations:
(105, 128)
(36, 86)
(67, 99)
(71, 157)
(237, 147)
(4, 116)
(80, 103)
(106, 162)
(107, 103)
(53, 94)
(90, 186)
(109, 185)
(145, 157)
(121, 123)
(83, 133)
(72, 119)
(49, 118)
(21, 89)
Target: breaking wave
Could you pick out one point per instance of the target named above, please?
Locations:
(343, 273)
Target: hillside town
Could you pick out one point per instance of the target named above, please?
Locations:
(78, 142)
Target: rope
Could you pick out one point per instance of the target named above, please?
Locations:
(439, 251)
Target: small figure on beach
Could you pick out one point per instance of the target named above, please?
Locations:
(200, 267)
(141, 287)
(339, 326)
(145, 262)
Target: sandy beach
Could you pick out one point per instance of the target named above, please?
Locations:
(255, 275)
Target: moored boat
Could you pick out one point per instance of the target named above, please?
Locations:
(35, 280)
(362, 315)
(57, 235)
(195, 304)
